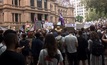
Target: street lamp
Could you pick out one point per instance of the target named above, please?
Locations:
(43, 21)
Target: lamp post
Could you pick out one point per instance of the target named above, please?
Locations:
(43, 21)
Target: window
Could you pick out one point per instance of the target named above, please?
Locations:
(16, 17)
(45, 4)
(46, 16)
(13, 17)
(16, 2)
(31, 2)
(40, 17)
(1, 1)
(32, 17)
(39, 4)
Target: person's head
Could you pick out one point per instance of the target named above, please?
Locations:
(9, 31)
(10, 40)
(82, 29)
(80, 32)
(23, 36)
(59, 33)
(37, 34)
(71, 31)
(92, 28)
(1, 31)
(94, 35)
(1, 36)
(50, 44)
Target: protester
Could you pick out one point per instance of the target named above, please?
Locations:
(10, 56)
(50, 55)
(37, 45)
(71, 43)
(2, 45)
(60, 45)
(94, 59)
(82, 48)
(26, 50)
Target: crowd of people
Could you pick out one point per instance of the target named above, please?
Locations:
(54, 47)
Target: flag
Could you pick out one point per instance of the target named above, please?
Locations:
(61, 19)
(22, 28)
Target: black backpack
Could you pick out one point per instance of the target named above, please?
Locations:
(59, 44)
(26, 49)
(97, 48)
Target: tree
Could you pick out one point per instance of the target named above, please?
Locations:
(92, 15)
(79, 18)
(98, 5)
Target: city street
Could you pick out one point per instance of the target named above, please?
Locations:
(87, 62)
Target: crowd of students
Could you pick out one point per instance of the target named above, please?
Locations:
(53, 47)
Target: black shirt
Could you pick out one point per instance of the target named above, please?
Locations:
(11, 58)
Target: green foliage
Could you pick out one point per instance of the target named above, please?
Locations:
(92, 15)
(96, 9)
(98, 5)
(79, 18)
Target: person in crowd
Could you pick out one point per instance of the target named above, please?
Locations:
(64, 32)
(36, 46)
(84, 33)
(104, 40)
(50, 55)
(60, 45)
(54, 32)
(26, 50)
(94, 59)
(10, 56)
(71, 44)
(82, 48)
(2, 45)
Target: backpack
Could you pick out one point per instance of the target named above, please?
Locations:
(97, 48)
(59, 44)
(26, 49)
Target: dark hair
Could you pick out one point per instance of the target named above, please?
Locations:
(1, 31)
(37, 34)
(10, 39)
(9, 31)
(59, 33)
(23, 35)
(50, 44)
(92, 28)
(80, 32)
(1, 38)
(94, 35)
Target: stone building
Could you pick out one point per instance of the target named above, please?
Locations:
(17, 12)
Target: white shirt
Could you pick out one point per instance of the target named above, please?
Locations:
(70, 41)
(2, 48)
(43, 54)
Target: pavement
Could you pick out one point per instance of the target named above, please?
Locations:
(87, 61)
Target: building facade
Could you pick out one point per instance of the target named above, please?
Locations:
(16, 12)
(79, 9)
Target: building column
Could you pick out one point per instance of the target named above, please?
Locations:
(35, 2)
(5, 16)
(27, 2)
(48, 4)
(43, 4)
(18, 2)
(5, 1)
(27, 17)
